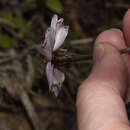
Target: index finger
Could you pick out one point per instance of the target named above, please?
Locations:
(126, 27)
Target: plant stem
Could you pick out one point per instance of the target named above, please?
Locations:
(126, 50)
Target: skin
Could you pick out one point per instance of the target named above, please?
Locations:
(101, 97)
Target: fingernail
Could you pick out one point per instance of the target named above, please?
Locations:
(98, 52)
(117, 30)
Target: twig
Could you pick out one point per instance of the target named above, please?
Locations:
(3, 54)
(81, 41)
(30, 73)
(5, 22)
(69, 96)
(38, 109)
(126, 50)
(118, 5)
(74, 59)
(22, 54)
(30, 110)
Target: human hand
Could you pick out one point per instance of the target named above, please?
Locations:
(101, 97)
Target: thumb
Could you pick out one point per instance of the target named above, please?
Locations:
(109, 67)
(99, 99)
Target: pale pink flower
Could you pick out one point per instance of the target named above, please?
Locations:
(55, 78)
(54, 38)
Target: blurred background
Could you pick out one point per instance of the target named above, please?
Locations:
(25, 100)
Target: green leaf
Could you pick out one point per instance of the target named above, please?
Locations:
(54, 5)
(5, 41)
(7, 16)
(22, 26)
(39, 76)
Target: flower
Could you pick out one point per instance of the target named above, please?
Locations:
(54, 38)
(55, 78)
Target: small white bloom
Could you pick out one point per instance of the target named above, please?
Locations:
(54, 38)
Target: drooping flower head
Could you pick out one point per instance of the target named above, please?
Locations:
(54, 38)
(55, 78)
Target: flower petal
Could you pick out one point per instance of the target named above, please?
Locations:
(48, 44)
(60, 37)
(60, 20)
(54, 21)
(49, 74)
(55, 78)
(58, 79)
(59, 24)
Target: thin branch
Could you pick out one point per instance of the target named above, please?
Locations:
(81, 41)
(30, 73)
(30, 111)
(118, 5)
(39, 108)
(5, 22)
(126, 50)
(22, 54)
